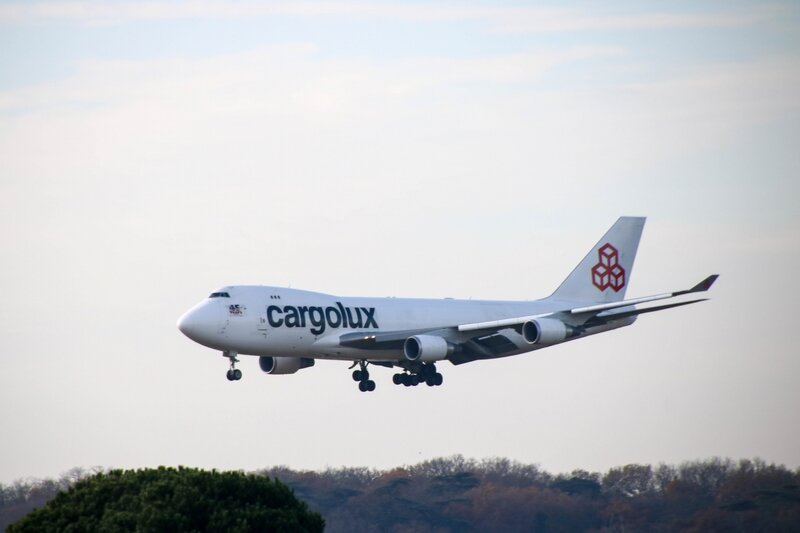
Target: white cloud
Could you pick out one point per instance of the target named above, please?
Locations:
(511, 19)
(274, 107)
(535, 21)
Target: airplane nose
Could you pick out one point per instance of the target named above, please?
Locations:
(187, 323)
(200, 323)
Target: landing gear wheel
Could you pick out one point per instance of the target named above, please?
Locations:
(430, 381)
(366, 386)
(415, 379)
(233, 373)
(438, 379)
(362, 376)
(397, 379)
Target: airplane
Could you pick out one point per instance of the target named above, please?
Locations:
(289, 329)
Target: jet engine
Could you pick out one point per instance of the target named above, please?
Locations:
(427, 348)
(283, 365)
(545, 331)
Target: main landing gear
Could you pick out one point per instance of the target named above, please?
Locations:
(427, 374)
(413, 375)
(362, 376)
(234, 374)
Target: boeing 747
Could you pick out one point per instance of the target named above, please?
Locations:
(289, 329)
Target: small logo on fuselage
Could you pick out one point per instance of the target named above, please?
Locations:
(319, 318)
(608, 273)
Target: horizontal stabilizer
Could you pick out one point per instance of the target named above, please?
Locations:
(602, 319)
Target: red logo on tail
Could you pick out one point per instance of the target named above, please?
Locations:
(607, 273)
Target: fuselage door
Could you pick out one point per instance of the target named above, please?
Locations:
(262, 323)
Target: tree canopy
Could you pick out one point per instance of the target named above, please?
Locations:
(170, 499)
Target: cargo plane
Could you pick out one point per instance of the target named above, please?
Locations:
(289, 329)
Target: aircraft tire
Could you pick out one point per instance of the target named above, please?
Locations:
(415, 379)
(438, 379)
(397, 379)
(229, 375)
(237, 374)
(370, 385)
(362, 386)
(356, 375)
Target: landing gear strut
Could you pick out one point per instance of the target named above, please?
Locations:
(425, 374)
(234, 374)
(362, 376)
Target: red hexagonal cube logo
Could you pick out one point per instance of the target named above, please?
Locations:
(607, 273)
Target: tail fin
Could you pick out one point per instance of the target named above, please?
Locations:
(604, 273)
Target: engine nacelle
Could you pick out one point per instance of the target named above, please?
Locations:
(427, 348)
(545, 331)
(283, 365)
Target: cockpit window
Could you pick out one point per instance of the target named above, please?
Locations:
(220, 295)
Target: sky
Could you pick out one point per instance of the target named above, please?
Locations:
(151, 152)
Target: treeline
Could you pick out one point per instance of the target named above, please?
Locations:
(458, 494)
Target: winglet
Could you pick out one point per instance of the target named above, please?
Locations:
(704, 285)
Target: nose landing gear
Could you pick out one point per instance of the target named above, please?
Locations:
(234, 374)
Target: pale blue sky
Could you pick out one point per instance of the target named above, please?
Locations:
(151, 152)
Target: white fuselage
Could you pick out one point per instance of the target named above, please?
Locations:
(274, 321)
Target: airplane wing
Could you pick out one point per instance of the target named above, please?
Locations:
(483, 340)
(595, 309)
